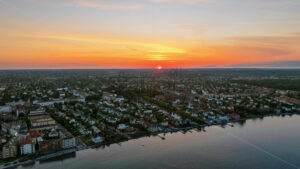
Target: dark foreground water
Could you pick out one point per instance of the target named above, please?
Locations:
(268, 143)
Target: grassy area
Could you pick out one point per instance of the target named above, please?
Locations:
(87, 140)
(249, 116)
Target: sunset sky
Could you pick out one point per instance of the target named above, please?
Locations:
(68, 34)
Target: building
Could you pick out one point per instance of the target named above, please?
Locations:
(10, 148)
(224, 118)
(68, 142)
(234, 116)
(108, 96)
(50, 146)
(97, 139)
(27, 146)
(53, 134)
(96, 130)
(50, 103)
(14, 127)
(20, 109)
(42, 122)
(35, 135)
(37, 112)
(54, 145)
(5, 109)
(122, 126)
(164, 124)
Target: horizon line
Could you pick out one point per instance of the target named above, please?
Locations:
(192, 68)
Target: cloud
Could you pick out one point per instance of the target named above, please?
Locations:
(229, 55)
(295, 64)
(182, 1)
(250, 51)
(116, 4)
(97, 4)
(110, 5)
(69, 65)
(285, 45)
(274, 64)
(281, 3)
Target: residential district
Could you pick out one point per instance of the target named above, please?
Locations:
(44, 112)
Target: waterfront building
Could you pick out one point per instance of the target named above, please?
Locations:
(68, 142)
(49, 146)
(234, 116)
(27, 146)
(97, 139)
(10, 148)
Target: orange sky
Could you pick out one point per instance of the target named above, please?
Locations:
(38, 34)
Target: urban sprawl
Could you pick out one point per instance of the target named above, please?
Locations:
(44, 112)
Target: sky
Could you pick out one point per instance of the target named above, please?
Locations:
(108, 34)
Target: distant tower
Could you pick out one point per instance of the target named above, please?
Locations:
(17, 113)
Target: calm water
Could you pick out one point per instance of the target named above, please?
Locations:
(272, 142)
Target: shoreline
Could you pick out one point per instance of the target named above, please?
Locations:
(43, 157)
(12, 164)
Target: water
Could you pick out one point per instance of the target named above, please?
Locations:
(268, 143)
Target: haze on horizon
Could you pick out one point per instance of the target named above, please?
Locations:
(90, 34)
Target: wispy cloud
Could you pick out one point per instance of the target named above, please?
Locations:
(294, 64)
(182, 1)
(281, 3)
(97, 4)
(55, 65)
(110, 5)
(286, 42)
(274, 64)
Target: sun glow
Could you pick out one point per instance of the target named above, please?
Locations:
(145, 41)
(159, 68)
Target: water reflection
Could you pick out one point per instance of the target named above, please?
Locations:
(221, 146)
(50, 160)
(28, 165)
(60, 158)
(241, 123)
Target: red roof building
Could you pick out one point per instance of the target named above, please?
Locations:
(234, 116)
(33, 133)
(28, 140)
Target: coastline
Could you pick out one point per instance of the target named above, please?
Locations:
(77, 149)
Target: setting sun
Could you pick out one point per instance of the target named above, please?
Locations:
(103, 34)
(76, 75)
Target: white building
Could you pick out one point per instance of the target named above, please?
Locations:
(97, 139)
(224, 118)
(175, 116)
(95, 129)
(5, 109)
(69, 142)
(122, 126)
(164, 123)
(27, 146)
